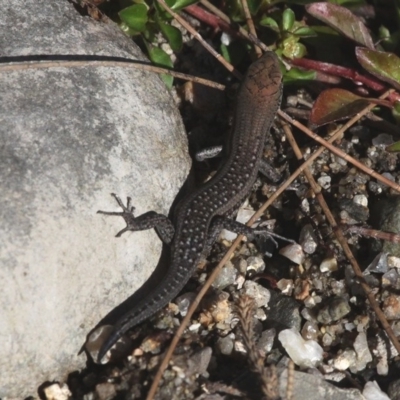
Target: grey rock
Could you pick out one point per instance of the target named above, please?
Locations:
(70, 136)
(283, 312)
(312, 387)
(199, 362)
(389, 221)
(394, 390)
(226, 277)
(260, 294)
(225, 345)
(336, 308)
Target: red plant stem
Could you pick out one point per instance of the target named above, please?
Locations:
(337, 70)
(210, 19)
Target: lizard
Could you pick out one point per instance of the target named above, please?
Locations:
(200, 216)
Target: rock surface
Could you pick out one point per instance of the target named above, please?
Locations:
(312, 387)
(70, 137)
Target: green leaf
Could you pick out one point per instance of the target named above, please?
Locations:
(270, 23)
(172, 34)
(225, 53)
(135, 17)
(342, 20)
(288, 19)
(383, 65)
(396, 111)
(295, 75)
(254, 6)
(393, 148)
(161, 58)
(304, 31)
(177, 5)
(129, 31)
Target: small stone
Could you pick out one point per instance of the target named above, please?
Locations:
(194, 327)
(381, 354)
(293, 252)
(349, 326)
(324, 181)
(372, 391)
(152, 343)
(283, 312)
(225, 345)
(363, 354)
(239, 347)
(255, 264)
(308, 240)
(393, 262)
(327, 340)
(301, 289)
(183, 302)
(394, 389)
(362, 322)
(199, 361)
(305, 206)
(345, 360)
(241, 265)
(105, 391)
(286, 286)
(240, 280)
(391, 307)
(336, 308)
(266, 340)
(57, 392)
(310, 331)
(226, 277)
(391, 279)
(361, 199)
(378, 265)
(328, 265)
(304, 353)
(335, 376)
(260, 294)
(312, 301)
(308, 314)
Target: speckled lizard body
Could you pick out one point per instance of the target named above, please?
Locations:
(202, 214)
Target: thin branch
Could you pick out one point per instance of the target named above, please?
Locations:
(250, 24)
(18, 66)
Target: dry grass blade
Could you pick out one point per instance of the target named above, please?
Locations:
(250, 24)
(267, 375)
(18, 66)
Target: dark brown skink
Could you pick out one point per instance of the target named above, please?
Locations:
(200, 216)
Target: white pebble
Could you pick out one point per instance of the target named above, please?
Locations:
(57, 392)
(293, 252)
(304, 353)
(373, 392)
